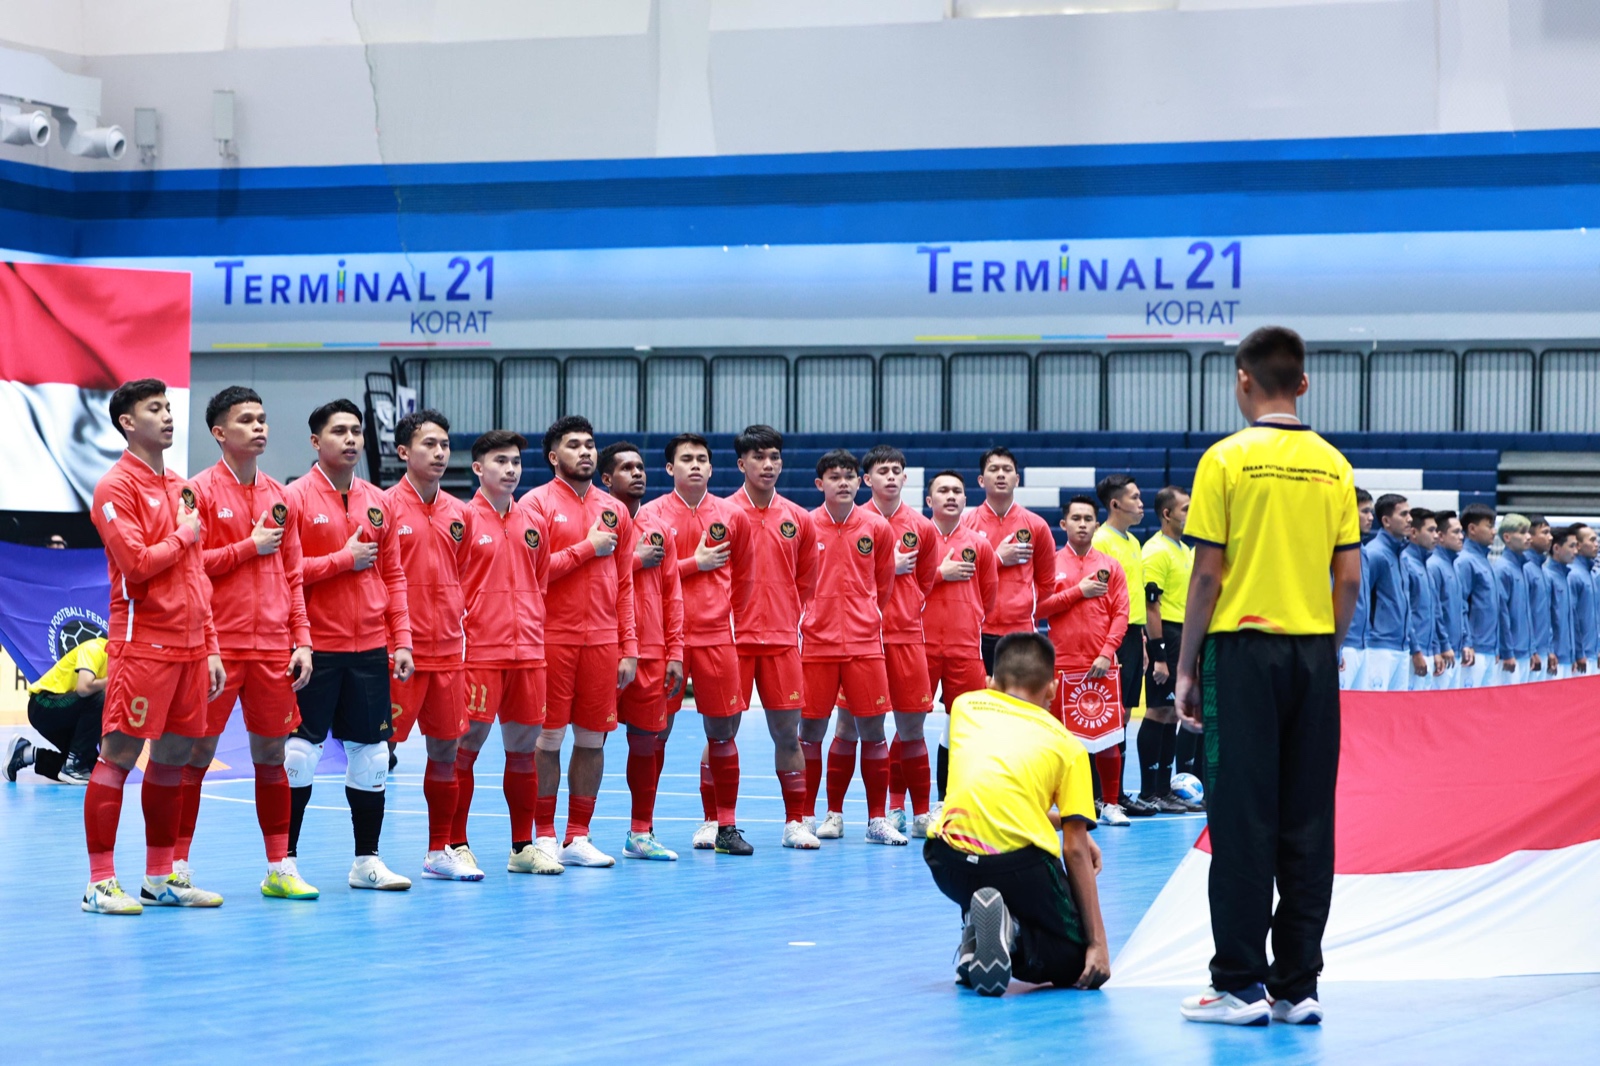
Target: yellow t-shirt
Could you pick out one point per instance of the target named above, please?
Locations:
(1167, 565)
(1124, 548)
(62, 678)
(1009, 761)
(1279, 500)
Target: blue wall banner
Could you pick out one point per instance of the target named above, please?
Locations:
(51, 600)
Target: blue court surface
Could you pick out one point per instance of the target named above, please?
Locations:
(844, 956)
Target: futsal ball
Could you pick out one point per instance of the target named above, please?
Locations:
(1188, 788)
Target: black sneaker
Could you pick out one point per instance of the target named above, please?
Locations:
(1170, 804)
(1191, 808)
(965, 953)
(1134, 807)
(394, 760)
(990, 970)
(731, 842)
(21, 755)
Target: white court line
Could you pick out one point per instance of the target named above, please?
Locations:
(501, 814)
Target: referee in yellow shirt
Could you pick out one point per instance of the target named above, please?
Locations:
(1273, 510)
(1124, 505)
(1168, 562)
(994, 849)
(65, 706)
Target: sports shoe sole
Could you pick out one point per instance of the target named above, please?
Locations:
(1310, 1016)
(990, 969)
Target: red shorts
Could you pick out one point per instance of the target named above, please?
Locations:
(714, 670)
(954, 676)
(435, 700)
(909, 689)
(148, 697)
(581, 686)
(266, 693)
(864, 681)
(643, 704)
(512, 694)
(776, 672)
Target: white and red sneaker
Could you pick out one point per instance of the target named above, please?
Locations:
(1228, 1008)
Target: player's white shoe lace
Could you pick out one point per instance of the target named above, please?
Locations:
(176, 890)
(832, 827)
(810, 824)
(369, 871)
(881, 831)
(582, 852)
(705, 838)
(107, 897)
(464, 852)
(796, 835)
(447, 865)
(551, 848)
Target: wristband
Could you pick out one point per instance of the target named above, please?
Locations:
(1159, 645)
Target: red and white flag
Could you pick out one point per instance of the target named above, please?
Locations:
(1090, 707)
(69, 335)
(1464, 847)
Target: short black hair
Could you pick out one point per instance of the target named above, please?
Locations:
(560, 428)
(496, 439)
(948, 473)
(1476, 513)
(1112, 486)
(999, 451)
(838, 459)
(882, 453)
(1088, 501)
(319, 418)
(130, 394)
(757, 438)
(405, 430)
(1537, 520)
(218, 406)
(1026, 661)
(1167, 499)
(608, 455)
(1386, 505)
(1363, 496)
(1443, 518)
(1419, 515)
(1275, 356)
(1562, 535)
(685, 438)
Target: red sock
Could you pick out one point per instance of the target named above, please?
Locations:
(792, 783)
(522, 795)
(162, 800)
(102, 809)
(579, 810)
(918, 776)
(1109, 763)
(642, 769)
(725, 774)
(544, 816)
(661, 758)
(897, 777)
(466, 784)
(440, 790)
(189, 808)
(875, 776)
(708, 788)
(841, 768)
(813, 753)
(272, 809)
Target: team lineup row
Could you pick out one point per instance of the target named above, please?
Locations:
(329, 607)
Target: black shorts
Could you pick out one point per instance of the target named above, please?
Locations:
(1160, 693)
(348, 695)
(1130, 658)
(986, 644)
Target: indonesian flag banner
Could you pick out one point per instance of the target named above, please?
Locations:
(69, 335)
(1090, 707)
(1461, 849)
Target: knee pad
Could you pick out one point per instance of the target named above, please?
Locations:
(587, 738)
(550, 739)
(369, 766)
(300, 758)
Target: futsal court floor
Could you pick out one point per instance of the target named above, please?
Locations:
(838, 956)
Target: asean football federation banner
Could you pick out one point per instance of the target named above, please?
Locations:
(51, 601)
(1090, 707)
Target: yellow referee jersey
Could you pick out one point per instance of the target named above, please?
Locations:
(62, 678)
(1124, 548)
(1167, 565)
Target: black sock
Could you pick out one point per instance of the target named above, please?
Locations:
(943, 770)
(518, 845)
(298, 798)
(1094, 776)
(366, 818)
(1149, 744)
(1169, 745)
(1187, 749)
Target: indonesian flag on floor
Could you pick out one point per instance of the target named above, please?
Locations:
(69, 335)
(1467, 844)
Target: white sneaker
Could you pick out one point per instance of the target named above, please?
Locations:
(181, 866)
(583, 853)
(920, 824)
(935, 809)
(796, 835)
(551, 848)
(447, 865)
(368, 871)
(897, 818)
(291, 866)
(107, 897)
(1225, 1008)
(176, 890)
(533, 859)
(465, 852)
(832, 827)
(1307, 1012)
(810, 824)
(1111, 814)
(881, 831)
(705, 838)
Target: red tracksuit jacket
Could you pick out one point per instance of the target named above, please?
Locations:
(590, 599)
(953, 617)
(432, 542)
(258, 601)
(855, 579)
(913, 531)
(1081, 629)
(503, 582)
(708, 595)
(657, 591)
(350, 610)
(1021, 587)
(783, 572)
(160, 596)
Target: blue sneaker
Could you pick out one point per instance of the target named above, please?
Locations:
(897, 818)
(646, 846)
(1307, 1012)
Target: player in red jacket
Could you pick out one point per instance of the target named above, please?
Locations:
(642, 707)
(504, 579)
(355, 596)
(841, 638)
(766, 622)
(430, 527)
(591, 643)
(164, 661)
(252, 555)
(714, 559)
(1021, 541)
(1088, 616)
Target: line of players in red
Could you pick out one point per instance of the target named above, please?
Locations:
(331, 608)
